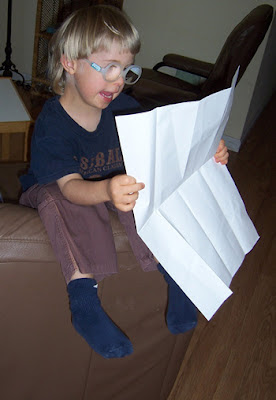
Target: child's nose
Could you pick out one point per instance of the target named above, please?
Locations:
(120, 81)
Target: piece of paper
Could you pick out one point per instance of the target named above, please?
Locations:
(190, 213)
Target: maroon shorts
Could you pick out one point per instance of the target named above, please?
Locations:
(81, 236)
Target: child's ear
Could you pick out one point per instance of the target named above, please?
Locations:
(68, 65)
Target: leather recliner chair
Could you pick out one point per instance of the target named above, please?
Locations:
(157, 88)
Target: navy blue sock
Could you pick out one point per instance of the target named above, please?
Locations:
(92, 323)
(181, 315)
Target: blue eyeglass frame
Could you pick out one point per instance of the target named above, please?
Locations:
(123, 72)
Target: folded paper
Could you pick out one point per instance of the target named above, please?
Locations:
(190, 213)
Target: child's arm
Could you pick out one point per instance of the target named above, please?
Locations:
(222, 154)
(121, 190)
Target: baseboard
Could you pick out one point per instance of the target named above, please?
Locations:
(232, 143)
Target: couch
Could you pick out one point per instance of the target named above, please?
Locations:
(43, 357)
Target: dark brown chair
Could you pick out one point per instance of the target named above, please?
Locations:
(156, 88)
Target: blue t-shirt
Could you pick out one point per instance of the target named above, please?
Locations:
(60, 146)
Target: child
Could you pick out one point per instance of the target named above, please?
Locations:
(77, 170)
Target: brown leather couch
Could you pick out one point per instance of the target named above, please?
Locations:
(43, 358)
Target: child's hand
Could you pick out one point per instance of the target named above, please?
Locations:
(222, 154)
(123, 191)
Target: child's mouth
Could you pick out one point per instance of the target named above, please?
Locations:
(108, 96)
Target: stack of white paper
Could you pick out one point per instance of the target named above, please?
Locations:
(190, 213)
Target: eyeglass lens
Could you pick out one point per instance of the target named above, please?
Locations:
(113, 72)
(132, 75)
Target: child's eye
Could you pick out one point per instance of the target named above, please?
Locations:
(112, 71)
(113, 67)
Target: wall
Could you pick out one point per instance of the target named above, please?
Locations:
(199, 29)
(266, 81)
(195, 28)
(22, 35)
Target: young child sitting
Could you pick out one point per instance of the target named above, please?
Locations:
(77, 172)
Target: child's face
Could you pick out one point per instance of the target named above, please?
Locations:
(90, 86)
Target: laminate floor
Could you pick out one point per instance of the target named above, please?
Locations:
(232, 357)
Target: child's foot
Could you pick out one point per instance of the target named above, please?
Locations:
(181, 312)
(92, 323)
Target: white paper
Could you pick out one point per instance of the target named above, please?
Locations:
(190, 213)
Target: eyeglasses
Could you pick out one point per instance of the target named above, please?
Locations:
(113, 70)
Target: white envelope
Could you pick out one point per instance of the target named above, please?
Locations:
(190, 213)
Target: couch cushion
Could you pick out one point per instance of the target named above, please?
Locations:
(22, 235)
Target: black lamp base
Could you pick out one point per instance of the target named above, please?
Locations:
(8, 67)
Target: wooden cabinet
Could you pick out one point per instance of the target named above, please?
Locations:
(49, 14)
(14, 123)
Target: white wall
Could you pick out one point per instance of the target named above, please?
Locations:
(266, 81)
(195, 28)
(22, 35)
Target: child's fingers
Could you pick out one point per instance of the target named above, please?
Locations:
(131, 198)
(223, 160)
(222, 154)
(135, 188)
(222, 157)
(129, 183)
(124, 191)
(221, 146)
(126, 207)
(128, 201)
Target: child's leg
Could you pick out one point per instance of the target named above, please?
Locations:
(82, 236)
(92, 323)
(142, 253)
(181, 313)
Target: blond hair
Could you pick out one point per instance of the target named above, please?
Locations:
(86, 31)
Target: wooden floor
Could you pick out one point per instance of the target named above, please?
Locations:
(233, 357)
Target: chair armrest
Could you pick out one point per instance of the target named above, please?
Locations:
(187, 64)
